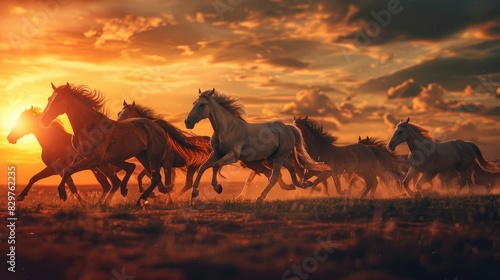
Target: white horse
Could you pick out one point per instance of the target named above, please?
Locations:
(235, 139)
(430, 157)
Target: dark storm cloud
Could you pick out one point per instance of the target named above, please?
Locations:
(288, 63)
(423, 19)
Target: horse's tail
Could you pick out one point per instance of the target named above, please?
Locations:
(484, 164)
(302, 156)
(388, 161)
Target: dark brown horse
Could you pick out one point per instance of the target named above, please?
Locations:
(351, 159)
(183, 149)
(57, 151)
(100, 140)
(392, 168)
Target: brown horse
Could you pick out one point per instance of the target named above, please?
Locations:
(57, 151)
(100, 140)
(351, 159)
(183, 149)
(390, 164)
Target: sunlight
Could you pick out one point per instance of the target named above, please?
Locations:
(9, 119)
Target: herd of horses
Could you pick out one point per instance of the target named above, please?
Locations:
(305, 149)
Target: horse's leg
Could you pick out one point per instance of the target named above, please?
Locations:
(289, 165)
(155, 179)
(129, 170)
(228, 158)
(72, 188)
(277, 163)
(338, 187)
(410, 175)
(44, 173)
(248, 182)
(214, 157)
(427, 176)
(167, 187)
(102, 179)
(370, 183)
(191, 170)
(284, 185)
(115, 182)
(139, 179)
(83, 164)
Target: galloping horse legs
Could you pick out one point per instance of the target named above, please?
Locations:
(46, 172)
(209, 163)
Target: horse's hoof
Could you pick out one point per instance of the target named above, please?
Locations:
(260, 200)
(20, 198)
(218, 188)
(307, 184)
(288, 187)
(165, 189)
(195, 193)
(124, 192)
(62, 195)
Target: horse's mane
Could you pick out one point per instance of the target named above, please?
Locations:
(188, 145)
(93, 98)
(230, 103)
(56, 122)
(372, 141)
(147, 112)
(318, 131)
(422, 131)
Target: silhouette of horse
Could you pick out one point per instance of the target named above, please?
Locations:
(431, 157)
(57, 151)
(356, 159)
(100, 140)
(235, 139)
(183, 149)
(390, 163)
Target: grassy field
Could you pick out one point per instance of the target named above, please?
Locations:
(317, 238)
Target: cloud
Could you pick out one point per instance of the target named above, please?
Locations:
(288, 63)
(390, 120)
(407, 89)
(122, 29)
(314, 102)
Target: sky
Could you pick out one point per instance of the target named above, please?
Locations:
(358, 66)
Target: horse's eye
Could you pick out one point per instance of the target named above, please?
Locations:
(399, 132)
(202, 105)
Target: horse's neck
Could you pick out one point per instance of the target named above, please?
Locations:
(46, 136)
(221, 120)
(416, 140)
(81, 117)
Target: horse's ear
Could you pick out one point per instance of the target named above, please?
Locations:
(294, 118)
(53, 86)
(67, 84)
(307, 117)
(366, 137)
(199, 90)
(133, 104)
(211, 92)
(407, 120)
(124, 103)
(359, 138)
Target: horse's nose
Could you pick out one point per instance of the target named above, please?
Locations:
(11, 140)
(188, 123)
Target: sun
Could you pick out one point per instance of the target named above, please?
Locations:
(9, 118)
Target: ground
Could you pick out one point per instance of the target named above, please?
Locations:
(220, 238)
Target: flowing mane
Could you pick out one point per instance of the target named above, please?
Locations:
(372, 141)
(92, 98)
(232, 104)
(318, 131)
(189, 146)
(417, 128)
(56, 122)
(148, 113)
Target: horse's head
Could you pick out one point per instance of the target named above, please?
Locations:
(128, 111)
(200, 110)
(400, 135)
(57, 104)
(25, 124)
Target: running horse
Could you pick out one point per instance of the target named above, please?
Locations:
(235, 139)
(57, 152)
(100, 140)
(183, 149)
(356, 159)
(430, 157)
